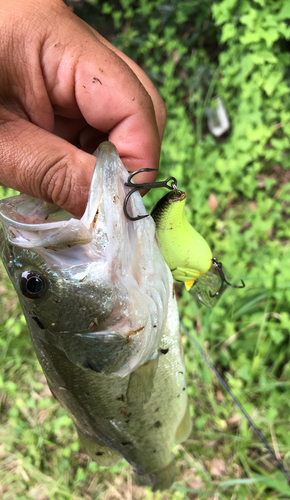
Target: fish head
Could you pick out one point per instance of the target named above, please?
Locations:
(97, 287)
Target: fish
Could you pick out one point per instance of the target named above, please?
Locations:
(100, 306)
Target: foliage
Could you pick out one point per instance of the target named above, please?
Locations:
(193, 51)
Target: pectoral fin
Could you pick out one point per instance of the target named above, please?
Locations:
(184, 428)
(141, 382)
(98, 451)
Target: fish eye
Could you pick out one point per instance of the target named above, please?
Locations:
(32, 284)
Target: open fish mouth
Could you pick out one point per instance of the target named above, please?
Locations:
(113, 266)
(35, 223)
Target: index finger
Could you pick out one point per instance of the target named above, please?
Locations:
(111, 98)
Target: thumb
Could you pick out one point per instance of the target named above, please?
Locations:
(39, 163)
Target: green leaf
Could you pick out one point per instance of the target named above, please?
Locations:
(228, 31)
(285, 11)
(263, 56)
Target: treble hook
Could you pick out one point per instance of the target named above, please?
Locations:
(145, 185)
(219, 267)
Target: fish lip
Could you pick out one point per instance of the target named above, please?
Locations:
(52, 227)
(56, 234)
(69, 231)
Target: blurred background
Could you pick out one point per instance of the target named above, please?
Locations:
(223, 69)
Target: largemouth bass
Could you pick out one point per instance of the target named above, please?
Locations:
(99, 303)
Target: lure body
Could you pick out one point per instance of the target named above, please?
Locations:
(185, 251)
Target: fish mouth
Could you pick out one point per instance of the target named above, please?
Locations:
(33, 223)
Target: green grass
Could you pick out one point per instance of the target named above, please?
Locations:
(192, 51)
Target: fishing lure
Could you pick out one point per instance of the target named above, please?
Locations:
(185, 251)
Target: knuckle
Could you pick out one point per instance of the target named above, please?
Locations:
(56, 182)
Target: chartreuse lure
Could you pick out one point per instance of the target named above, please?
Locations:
(185, 251)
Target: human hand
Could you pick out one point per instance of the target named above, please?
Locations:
(63, 87)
